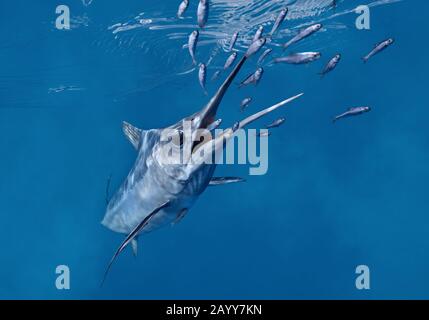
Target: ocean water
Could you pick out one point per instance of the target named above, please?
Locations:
(334, 197)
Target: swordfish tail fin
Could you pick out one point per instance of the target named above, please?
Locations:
(132, 236)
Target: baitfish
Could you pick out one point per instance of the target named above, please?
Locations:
(299, 58)
(331, 65)
(276, 123)
(355, 111)
(253, 78)
(303, 34)
(280, 18)
(378, 48)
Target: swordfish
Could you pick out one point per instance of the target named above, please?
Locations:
(154, 193)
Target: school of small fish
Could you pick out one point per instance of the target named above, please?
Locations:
(258, 41)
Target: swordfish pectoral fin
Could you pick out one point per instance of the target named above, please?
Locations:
(132, 133)
(132, 236)
(217, 181)
(180, 216)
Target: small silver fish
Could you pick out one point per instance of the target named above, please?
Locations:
(378, 48)
(230, 60)
(215, 75)
(203, 12)
(255, 47)
(233, 40)
(264, 55)
(263, 134)
(279, 20)
(192, 44)
(276, 123)
(355, 111)
(331, 65)
(214, 125)
(202, 72)
(299, 58)
(303, 34)
(182, 8)
(258, 33)
(253, 78)
(245, 103)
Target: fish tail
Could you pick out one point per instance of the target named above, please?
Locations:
(365, 59)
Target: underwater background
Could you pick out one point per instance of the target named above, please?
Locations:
(335, 196)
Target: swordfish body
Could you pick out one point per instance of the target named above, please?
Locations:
(151, 183)
(155, 192)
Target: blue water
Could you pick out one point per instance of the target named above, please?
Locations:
(335, 196)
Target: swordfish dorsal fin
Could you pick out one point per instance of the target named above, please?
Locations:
(132, 133)
(132, 236)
